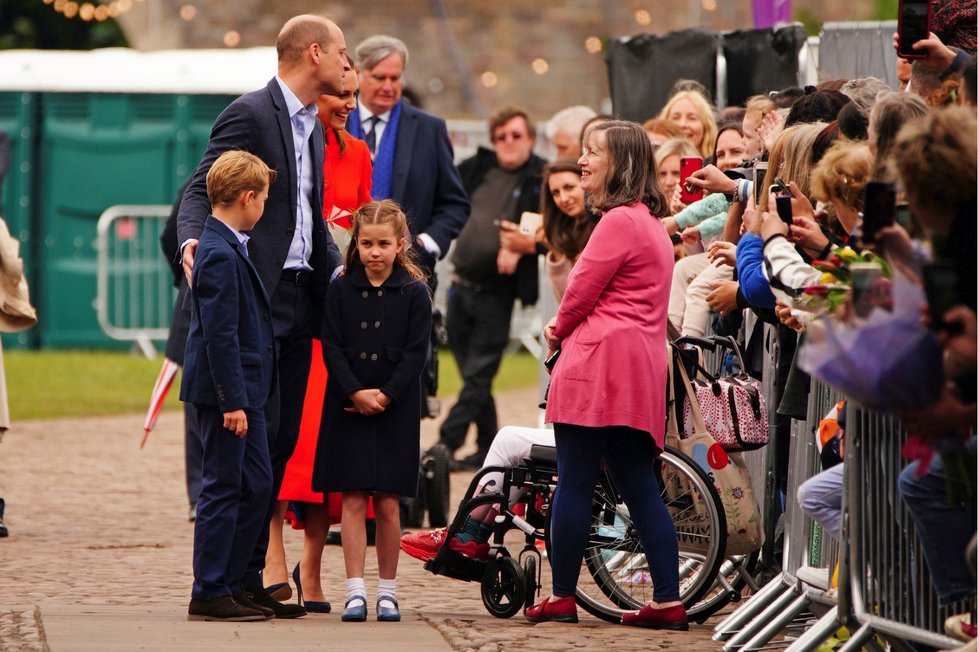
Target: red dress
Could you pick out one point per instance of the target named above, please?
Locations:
(346, 184)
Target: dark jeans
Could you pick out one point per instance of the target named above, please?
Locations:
(292, 324)
(944, 528)
(628, 454)
(478, 332)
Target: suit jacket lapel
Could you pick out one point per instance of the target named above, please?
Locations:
(228, 236)
(288, 144)
(407, 131)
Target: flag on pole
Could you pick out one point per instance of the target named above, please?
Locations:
(768, 13)
(163, 382)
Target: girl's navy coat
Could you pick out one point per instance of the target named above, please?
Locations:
(373, 337)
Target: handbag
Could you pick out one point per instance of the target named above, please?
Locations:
(727, 471)
(733, 407)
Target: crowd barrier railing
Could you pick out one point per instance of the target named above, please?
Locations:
(134, 287)
(885, 592)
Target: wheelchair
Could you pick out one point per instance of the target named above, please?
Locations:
(614, 572)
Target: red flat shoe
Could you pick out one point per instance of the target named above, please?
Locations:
(557, 610)
(651, 618)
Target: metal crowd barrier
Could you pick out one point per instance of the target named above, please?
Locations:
(881, 559)
(786, 601)
(134, 287)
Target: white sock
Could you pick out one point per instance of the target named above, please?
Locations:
(356, 592)
(387, 593)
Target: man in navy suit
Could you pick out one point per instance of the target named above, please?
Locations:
(290, 248)
(228, 373)
(413, 161)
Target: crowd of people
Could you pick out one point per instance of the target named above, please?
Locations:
(308, 403)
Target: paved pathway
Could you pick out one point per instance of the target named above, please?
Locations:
(100, 550)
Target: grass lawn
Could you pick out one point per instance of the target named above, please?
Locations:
(54, 384)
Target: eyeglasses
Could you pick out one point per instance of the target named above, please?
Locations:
(515, 136)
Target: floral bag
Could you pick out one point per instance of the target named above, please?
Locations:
(745, 532)
(733, 407)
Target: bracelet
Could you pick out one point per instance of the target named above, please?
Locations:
(825, 252)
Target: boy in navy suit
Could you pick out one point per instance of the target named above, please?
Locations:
(228, 373)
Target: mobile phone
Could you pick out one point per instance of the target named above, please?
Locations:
(552, 360)
(688, 165)
(784, 208)
(760, 173)
(941, 289)
(864, 277)
(879, 209)
(783, 188)
(913, 25)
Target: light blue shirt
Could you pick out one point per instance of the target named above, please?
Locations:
(303, 119)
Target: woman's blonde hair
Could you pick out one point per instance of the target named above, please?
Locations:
(842, 174)
(707, 117)
(674, 147)
(377, 213)
(791, 157)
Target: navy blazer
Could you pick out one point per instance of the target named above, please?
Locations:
(229, 362)
(425, 183)
(259, 123)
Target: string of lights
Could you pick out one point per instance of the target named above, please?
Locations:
(89, 11)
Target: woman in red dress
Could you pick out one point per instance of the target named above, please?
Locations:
(346, 182)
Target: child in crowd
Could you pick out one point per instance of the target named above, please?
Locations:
(228, 371)
(375, 342)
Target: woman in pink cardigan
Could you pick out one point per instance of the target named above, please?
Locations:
(607, 395)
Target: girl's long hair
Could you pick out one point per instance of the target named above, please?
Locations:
(376, 213)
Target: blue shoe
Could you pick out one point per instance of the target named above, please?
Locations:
(312, 606)
(387, 614)
(357, 613)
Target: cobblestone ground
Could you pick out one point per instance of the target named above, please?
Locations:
(96, 521)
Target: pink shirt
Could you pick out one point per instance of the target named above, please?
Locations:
(613, 365)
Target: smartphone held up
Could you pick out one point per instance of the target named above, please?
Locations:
(913, 25)
(688, 165)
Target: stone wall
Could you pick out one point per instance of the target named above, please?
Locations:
(477, 55)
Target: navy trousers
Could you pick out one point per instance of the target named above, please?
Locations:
(628, 454)
(234, 496)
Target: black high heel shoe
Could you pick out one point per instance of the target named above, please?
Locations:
(316, 607)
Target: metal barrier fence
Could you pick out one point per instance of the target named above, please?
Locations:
(134, 287)
(881, 559)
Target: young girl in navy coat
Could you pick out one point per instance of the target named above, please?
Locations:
(375, 342)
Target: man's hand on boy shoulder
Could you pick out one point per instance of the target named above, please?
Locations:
(368, 402)
(237, 422)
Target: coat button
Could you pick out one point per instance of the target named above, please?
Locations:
(376, 324)
(373, 356)
(363, 356)
(363, 325)
(364, 294)
(380, 293)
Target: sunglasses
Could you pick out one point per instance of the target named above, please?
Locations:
(508, 135)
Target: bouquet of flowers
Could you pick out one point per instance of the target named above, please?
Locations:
(843, 268)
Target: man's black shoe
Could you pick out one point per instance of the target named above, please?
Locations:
(261, 598)
(225, 608)
(246, 601)
(3, 528)
(473, 462)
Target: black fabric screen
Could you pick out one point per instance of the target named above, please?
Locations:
(761, 60)
(643, 68)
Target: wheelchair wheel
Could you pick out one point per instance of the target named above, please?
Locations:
(530, 579)
(437, 475)
(503, 587)
(615, 575)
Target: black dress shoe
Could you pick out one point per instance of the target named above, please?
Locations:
(282, 610)
(192, 514)
(334, 538)
(225, 608)
(246, 601)
(3, 528)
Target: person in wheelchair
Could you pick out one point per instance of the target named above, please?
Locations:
(510, 447)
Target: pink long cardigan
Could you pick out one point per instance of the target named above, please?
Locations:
(613, 364)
